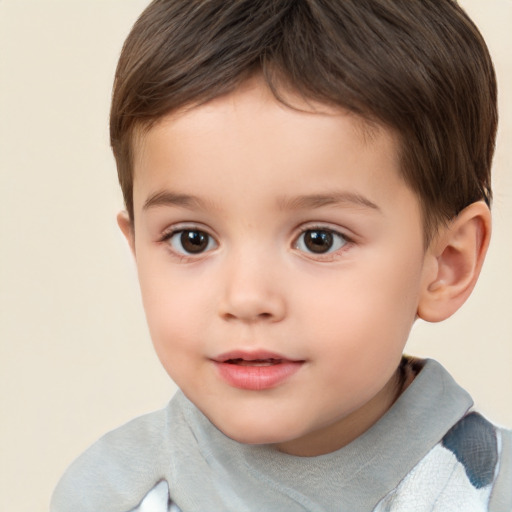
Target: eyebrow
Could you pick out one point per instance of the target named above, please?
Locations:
(312, 201)
(168, 198)
(306, 201)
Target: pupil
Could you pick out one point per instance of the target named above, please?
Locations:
(318, 241)
(194, 241)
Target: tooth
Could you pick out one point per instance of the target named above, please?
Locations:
(254, 362)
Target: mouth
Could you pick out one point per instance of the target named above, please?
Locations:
(254, 362)
(255, 371)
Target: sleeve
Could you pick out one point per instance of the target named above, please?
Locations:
(501, 496)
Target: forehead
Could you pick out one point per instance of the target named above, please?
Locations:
(248, 142)
(254, 101)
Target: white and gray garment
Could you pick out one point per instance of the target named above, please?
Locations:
(429, 453)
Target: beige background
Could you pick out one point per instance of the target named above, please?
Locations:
(75, 357)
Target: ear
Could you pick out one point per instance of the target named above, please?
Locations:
(125, 224)
(453, 263)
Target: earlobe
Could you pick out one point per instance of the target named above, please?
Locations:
(125, 224)
(453, 263)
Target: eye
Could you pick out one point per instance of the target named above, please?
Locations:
(320, 241)
(190, 241)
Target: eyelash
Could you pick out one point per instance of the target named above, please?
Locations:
(327, 234)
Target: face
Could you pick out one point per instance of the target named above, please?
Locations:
(281, 261)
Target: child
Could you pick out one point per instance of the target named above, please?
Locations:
(303, 180)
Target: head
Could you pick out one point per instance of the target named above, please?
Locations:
(303, 179)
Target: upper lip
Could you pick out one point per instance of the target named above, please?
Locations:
(254, 355)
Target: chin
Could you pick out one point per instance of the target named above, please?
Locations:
(255, 434)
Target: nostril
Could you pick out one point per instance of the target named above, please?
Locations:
(260, 316)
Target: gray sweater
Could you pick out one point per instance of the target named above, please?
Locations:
(429, 452)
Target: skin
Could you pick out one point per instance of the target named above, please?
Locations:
(253, 175)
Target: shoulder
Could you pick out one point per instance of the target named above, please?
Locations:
(116, 472)
(485, 452)
(469, 470)
(474, 442)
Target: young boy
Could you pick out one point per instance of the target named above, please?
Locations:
(303, 180)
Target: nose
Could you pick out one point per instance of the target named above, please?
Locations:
(251, 292)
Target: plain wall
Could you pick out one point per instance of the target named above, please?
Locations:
(75, 355)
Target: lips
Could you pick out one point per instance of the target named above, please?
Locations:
(255, 370)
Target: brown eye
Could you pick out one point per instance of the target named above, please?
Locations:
(194, 241)
(320, 241)
(191, 241)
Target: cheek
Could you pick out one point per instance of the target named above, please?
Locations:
(174, 309)
(175, 330)
(373, 309)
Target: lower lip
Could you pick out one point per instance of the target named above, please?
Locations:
(257, 378)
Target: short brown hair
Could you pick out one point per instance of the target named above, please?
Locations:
(420, 67)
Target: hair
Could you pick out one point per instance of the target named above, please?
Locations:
(418, 67)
